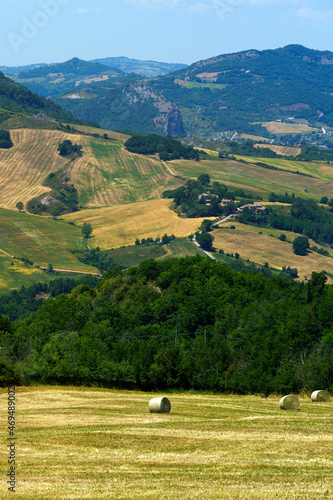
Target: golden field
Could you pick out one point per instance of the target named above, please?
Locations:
(280, 150)
(261, 248)
(79, 443)
(120, 225)
(287, 128)
(24, 168)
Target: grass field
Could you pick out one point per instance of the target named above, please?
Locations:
(120, 225)
(41, 240)
(261, 181)
(280, 150)
(78, 443)
(287, 128)
(261, 248)
(133, 255)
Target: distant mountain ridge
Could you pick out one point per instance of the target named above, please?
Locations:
(228, 92)
(143, 68)
(124, 64)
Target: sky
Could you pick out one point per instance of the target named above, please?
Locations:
(179, 31)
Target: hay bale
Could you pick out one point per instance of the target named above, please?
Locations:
(320, 396)
(159, 405)
(289, 402)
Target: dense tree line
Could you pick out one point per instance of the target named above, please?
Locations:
(243, 333)
(19, 304)
(305, 217)
(166, 147)
(247, 148)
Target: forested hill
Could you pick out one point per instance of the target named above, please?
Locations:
(234, 90)
(224, 93)
(243, 333)
(17, 98)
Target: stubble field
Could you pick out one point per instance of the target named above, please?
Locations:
(78, 443)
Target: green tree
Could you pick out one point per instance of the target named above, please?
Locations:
(86, 230)
(300, 245)
(19, 206)
(205, 240)
(49, 268)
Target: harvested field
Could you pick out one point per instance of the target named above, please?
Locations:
(79, 443)
(24, 168)
(261, 248)
(108, 174)
(280, 150)
(287, 128)
(120, 225)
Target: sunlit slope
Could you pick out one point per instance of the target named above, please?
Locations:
(261, 245)
(24, 168)
(41, 240)
(108, 174)
(120, 225)
(262, 181)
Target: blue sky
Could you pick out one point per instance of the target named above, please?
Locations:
(184, 31)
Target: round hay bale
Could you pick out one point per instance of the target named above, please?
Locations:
(320, 396)
(289, 402)
(159, 405)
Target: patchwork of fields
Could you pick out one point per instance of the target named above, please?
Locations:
(262, 181)
(100, 443)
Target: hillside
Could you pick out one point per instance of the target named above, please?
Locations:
(230, 92)
(16, 98)
(106, 174)
(55, 79)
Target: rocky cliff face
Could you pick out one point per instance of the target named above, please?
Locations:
(169, 120)
(173, 123)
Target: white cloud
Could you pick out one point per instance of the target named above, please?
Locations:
(315, 15)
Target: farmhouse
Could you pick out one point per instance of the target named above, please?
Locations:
(204, 198)
(254, 207)
(224, 203)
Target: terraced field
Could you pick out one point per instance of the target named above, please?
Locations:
(24, 168)
(261, 181)
(108, 174)
(120, 225)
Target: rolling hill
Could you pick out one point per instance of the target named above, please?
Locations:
(227, 92)
(56, 79)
